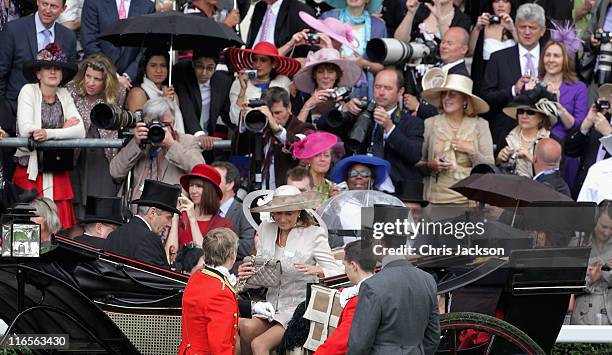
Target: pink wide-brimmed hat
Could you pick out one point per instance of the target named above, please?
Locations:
(241, 59)
(314, 144)
(351, 71)
(334, 28)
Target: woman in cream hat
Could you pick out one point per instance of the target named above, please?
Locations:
(323, 72)
(536, 113)
(304, 253)
(455, 140)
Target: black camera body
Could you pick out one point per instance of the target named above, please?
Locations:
(494, 19)
(114, 118)
(601, 105)
(256, 103)
(603, 37)
(313, 38)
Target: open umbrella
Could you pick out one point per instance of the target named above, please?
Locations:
(173, 30)
(506, 190)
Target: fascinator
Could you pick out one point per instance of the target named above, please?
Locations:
(566, 33)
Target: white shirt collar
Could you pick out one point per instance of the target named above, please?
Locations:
(545, 172)
(205, 85)
(276, 7)
(225, 206)
(40, 27)
(535, 52)
(447, 66)
(147, 223)
(390, 112)
(231, 278)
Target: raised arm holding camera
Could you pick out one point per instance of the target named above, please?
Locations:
(156, 151)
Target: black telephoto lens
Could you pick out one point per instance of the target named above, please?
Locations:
(156, 132)
(255, 121)
(113, 118)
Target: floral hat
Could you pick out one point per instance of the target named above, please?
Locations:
(50, 56)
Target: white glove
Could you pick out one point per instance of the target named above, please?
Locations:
(263, 308)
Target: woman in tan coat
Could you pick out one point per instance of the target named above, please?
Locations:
(304, 252)
(455, 140)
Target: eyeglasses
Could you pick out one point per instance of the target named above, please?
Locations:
(205, 68)
(355, 173)
(520, 111)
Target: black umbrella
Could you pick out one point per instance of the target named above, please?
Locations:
(173, 30)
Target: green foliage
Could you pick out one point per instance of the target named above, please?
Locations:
(582, 349)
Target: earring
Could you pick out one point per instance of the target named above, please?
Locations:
(465, 105)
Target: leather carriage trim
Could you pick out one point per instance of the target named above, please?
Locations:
(223, 280)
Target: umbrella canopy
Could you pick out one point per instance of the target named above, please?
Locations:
(506, 190)
(165, 29)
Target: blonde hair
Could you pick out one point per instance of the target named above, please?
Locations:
(46, 208)
(219, 245)
(99, 62)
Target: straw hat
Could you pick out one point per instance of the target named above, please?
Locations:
(334, 28)
(459, 83)
(313, 144)
(50, 56)
(241, 59)
(538, 100)
(351, 72)
(605, 91)
(289, 198)
(433, 78)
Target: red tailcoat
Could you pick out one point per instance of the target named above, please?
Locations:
(210, 315)
(337, 343)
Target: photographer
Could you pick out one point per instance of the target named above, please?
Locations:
(278, 136)
(494, 30)
(583, 141)
(319, 80)
(164, 161)
(392, 133)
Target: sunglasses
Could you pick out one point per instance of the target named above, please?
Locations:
(356, 173)
(520, 111)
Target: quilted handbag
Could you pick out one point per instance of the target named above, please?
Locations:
(267, 272)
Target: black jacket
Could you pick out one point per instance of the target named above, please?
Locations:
(136, 241)
(555, 182)
(91, 240)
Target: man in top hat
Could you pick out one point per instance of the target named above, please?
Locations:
(140, 239)
(411, 194)
(102, 216)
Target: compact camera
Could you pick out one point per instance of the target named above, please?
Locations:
(342, 92)
(313, 38)
(601, 105)
(493, 19)
(251, 74)
(603, 37)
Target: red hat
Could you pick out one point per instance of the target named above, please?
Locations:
(313, 144)
(240, 59)
(206, 172)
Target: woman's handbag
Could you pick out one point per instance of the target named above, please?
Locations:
(267, 272)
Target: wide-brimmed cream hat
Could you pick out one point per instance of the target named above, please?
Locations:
(538, 100)
(605, 91)
(459, 83)
(433, 78)
(290, 198)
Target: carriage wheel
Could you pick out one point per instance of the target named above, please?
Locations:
(502, 333)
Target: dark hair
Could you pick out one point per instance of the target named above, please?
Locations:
(204, 53)
(513, 7)
(331, 66)
(210, 201)
(142, 65)
(187, 257)
(360, 252)
(276, 94)
(398, 74)
(231, 173)
(299, 173)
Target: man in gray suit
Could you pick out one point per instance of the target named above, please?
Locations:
(232, 209)
(397, 312)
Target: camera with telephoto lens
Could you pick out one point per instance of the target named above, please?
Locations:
(313, 38)
(494, 19)
(254, 120)
(361, 125)
(114, 118)
(601, 105)
(604, 59)
(390, 51)
(342, 93)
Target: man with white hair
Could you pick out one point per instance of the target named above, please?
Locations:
(166, 159)
(510, 69)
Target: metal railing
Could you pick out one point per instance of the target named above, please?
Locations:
(18, 142)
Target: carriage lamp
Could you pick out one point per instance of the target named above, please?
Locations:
(20, 236)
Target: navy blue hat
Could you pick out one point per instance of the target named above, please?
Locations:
(381, 168)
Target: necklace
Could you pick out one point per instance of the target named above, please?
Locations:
(454, 127)
(523, 138)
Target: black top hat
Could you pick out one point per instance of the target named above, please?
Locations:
(159, 194)
(104, 210)
(50, 56)
(410, 191)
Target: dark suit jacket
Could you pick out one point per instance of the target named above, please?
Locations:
(244, 230)
(136, 241)
(380, 324)
(188, 90)
(403, 148)
(284, 161)
(97, 17)
(502, 72)
(555, 182)
(18, 44)
(91, 241)
(585, 147)
(288, 21)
